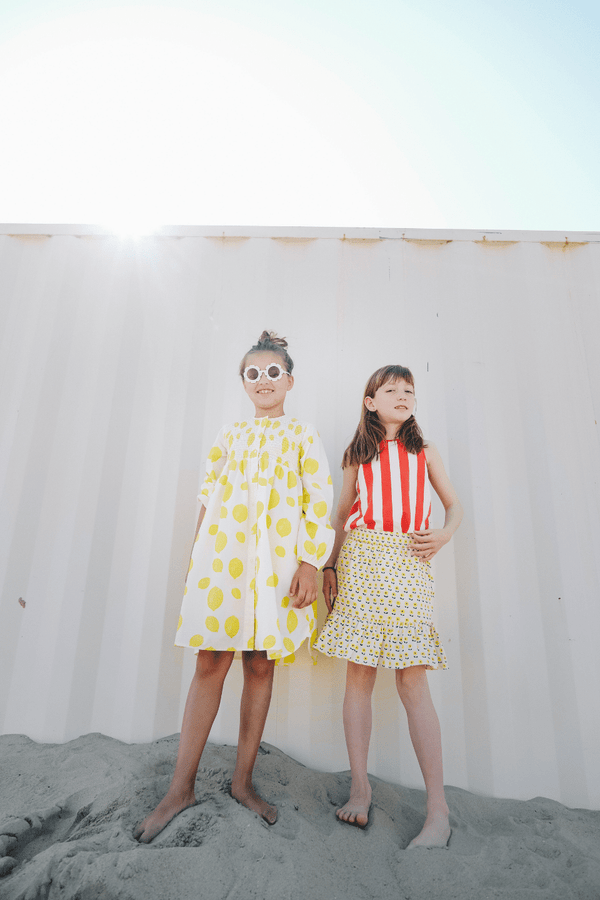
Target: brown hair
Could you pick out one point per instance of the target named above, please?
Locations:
(269, 340)
(365, 444)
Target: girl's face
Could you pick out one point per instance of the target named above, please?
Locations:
(268, 396)
(394, 403)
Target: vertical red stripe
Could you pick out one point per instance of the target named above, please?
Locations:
(353, 515)
(404, 479)
(368, 473)
(386, 487)
(420, 490)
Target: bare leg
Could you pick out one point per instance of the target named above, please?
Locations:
(204, 697)
(424, 728)
(360, 681)
(256, 698)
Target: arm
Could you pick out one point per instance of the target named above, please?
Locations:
(426, 542)
(200, 518)
(345, 503)
(315, 535)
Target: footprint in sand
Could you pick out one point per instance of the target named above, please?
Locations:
(16, 832)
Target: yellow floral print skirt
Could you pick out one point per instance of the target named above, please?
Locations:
(383, 614)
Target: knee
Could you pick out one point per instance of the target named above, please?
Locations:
(411, 683)
(213, 663)
(360, 678)
(257, 666)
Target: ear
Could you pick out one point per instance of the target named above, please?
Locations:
(369, 404)
(290, 383)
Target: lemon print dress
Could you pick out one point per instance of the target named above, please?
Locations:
(268, 496)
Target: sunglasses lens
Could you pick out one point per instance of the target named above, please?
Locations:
(274, 372)
(252, 373)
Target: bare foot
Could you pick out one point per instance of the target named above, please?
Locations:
(356, 810)
(435, 832)
(247, 796)
(159, 818)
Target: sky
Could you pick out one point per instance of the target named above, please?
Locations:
(425, 114)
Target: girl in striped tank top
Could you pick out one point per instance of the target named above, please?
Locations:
(379, 576)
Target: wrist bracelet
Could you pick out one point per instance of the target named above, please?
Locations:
(329, 567)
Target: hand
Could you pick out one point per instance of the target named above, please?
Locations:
(426, 543)
(330, 588)
(304, 586)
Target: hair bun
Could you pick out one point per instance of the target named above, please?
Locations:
(271, 337)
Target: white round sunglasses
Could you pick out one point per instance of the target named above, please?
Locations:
(273, 373)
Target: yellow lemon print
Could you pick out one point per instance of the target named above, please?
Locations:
(241, 537)
(215, 598)
(213, 529)
(224, 512)
(273, 499)
(179, 622)
(292, 621)
(259, 508)
(310, 465)
(321, 550)
(232, 626)
(329, 479)
(290, 501)
(279, 550)
(292, 480)
(320, 509)
(269, 521)
(243, 466)
(262, 441)
(223, 479)
(283, 527)
(310, 548)
(221, 541)
(203, 583)
(196, 641)
(250, 439)
(217, 565)
(279, 471)
(285, 445)
(235, 592)
(212, 624)
(288, 644)
(285, 602)
(311, 528)
(191, 565)
(228, 491)
(236, 567)
(251, 643)
(269, 641)
(298, 429)
(291, 658)
(215, 454)
(240, 512)
(272, 580)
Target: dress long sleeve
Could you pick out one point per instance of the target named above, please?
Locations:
(315, 534)
(215, 464)
(268, 496)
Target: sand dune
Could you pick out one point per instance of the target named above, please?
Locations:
(67, 812)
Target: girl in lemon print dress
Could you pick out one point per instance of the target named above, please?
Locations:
(383, 587)
(263, 533)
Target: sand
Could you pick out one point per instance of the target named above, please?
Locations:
(67, 813)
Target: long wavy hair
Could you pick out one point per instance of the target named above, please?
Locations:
(366, 443)
(269, 340)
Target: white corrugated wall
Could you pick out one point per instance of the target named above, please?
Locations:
(118, 365)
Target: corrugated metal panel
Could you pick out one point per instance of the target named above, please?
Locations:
(119, 363)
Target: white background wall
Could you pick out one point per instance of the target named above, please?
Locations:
(118, 365)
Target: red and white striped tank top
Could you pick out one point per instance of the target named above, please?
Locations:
(393, 492)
